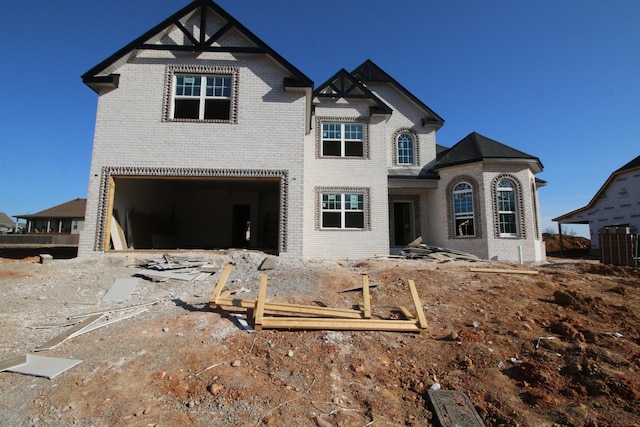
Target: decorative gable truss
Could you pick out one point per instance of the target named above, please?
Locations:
(202, 26)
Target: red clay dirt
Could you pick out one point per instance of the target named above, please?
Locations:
(557, 348)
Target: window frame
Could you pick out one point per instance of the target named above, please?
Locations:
(405, 152)
(507, 228)
(342, 140)
(466, 214)
(343, 209)
(172, 74)
(415, 149)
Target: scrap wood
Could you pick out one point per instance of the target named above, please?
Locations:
(186, 276)
(108, 322)
(56, 341)
(366, 312)
(113, 310)
(418, 305)
(499, 270)
(319, 323)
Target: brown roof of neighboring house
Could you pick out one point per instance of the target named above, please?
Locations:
(71, 209)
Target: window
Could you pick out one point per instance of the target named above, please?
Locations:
(506, 199)
(463, 210)
(342, 140)
(405, 149)
(202, 97)
(342, 210)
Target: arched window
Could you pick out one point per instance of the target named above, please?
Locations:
(405, 149)
(506, 207)
(463, 210)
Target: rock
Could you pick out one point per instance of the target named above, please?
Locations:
(236, 363)
(453, 336)
(563, 298)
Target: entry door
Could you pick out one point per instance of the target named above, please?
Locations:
(241, 226)
(403, 223)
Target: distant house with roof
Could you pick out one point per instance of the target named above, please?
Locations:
(66, 218)
(614, 207)
(208, 138)
(7, 225)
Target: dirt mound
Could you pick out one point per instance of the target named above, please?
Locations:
(573, 246)
(560, 347)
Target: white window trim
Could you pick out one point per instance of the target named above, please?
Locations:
(416, 147)
(172, 70)
(513, 213)
(342, 121)
(320, 191)
(463, 215)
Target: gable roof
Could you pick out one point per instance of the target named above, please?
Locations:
(633, 164)
(215, 38)
(344, 85)
(71, 209)
(477, 148)
(6, 221)
(368, 72)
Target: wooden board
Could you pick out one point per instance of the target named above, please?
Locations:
(339, 324)
(366, 297)
(262, 294)
(499, 270)
(422, 320)
(220, 284)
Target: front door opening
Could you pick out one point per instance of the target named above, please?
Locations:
(403, 223)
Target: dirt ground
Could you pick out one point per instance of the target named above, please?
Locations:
(557, 348)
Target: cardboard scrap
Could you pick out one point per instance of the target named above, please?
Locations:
(41, 366)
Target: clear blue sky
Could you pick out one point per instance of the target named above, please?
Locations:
(556, 79)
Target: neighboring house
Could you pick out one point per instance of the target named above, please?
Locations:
(67, 218)
(211, 139)
(615, 205)
(7, 225)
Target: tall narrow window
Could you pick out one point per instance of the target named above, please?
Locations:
(342, 210)
(405, 149)
(463, 210)
(506, 199)
(342, 140)
(202, 97)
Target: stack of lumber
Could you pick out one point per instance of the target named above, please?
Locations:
(417, 249)
(178, 268)
(277, 315)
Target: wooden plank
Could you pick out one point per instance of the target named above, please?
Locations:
(366, 296)
(95, 326)
(280, 307)
(112, 192)
(422, 320)
(499, 270)
(406, 313)
(56, 341)
(339, 324)
(220, 285)
(262, 294)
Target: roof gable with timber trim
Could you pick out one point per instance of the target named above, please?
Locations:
(201, 26)
(344, 85)
(632, 165)
(368, 72)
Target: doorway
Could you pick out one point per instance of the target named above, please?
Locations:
(403, 223)
(241, 226)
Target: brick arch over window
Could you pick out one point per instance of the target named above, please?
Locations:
(519, 208)
(416, 150)
(476, 206)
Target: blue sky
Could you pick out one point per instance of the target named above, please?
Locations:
(555, 79)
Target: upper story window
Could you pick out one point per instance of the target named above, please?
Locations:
(198, 93)
(202, 97)
(405, 149)
(506, 207)
(463, 210)
(342, 140)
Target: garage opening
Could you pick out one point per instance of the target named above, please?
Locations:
(194, 213)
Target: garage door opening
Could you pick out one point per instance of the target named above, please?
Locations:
(194, 213)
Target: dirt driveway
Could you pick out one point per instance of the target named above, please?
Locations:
(560, 347)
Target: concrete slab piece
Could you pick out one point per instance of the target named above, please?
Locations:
(454, 409)
(47, 367)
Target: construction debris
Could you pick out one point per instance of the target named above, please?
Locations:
(417, 249)
(40, 366)
(178, 268)
(500, 270)
(454, 408)
(307, 317)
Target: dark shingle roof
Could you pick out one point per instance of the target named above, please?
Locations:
(635, 163)
(476, 148)
(71, 209)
